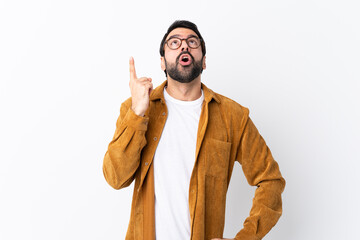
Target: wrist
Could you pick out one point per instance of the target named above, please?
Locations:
(137, 112)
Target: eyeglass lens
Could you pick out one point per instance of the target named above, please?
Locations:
(175, 43)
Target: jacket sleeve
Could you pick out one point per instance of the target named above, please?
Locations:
(122, 157)
(261, 170)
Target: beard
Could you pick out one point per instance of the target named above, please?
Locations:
(187, 73)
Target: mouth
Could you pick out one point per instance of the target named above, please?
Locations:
(185, 59)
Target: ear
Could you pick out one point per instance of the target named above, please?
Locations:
(204, 62)
(163, 67)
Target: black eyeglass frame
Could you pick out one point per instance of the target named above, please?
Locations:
(186, 40)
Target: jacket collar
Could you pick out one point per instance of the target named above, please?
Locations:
(158, 93)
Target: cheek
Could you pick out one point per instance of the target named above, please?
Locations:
(197, 55)
(170, 56)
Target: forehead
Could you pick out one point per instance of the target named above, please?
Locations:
(181, 32)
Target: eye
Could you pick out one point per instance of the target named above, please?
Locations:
(174, 43)
(193, 42)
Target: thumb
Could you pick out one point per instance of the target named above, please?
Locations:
(150, 90)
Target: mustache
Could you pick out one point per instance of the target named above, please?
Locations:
(184, 52)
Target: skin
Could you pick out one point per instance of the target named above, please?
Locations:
(141, 88)
(183, 91)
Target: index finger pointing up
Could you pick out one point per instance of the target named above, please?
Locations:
(132, 69)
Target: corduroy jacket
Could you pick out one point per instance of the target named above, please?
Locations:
(225, 134)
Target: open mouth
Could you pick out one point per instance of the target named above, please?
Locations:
(185, 59)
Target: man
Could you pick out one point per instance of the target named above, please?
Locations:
(180, 142)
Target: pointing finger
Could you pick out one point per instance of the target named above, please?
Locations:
(132, 69)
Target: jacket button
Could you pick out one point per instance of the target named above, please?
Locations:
(146, 163)
(155, 138)
(163, 113)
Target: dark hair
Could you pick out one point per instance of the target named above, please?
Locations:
(182, 24)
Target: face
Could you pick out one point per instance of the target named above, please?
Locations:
(183, 64)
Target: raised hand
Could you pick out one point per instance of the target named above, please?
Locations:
(140, 89)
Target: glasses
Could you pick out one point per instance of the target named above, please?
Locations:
(175, 42)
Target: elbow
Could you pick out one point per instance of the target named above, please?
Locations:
(283, 184)
(110, 178)
(116, 179)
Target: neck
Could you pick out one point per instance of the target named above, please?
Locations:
(184, 91)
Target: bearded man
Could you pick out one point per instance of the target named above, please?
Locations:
(179, 142)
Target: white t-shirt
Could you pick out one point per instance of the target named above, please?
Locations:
(174, 161)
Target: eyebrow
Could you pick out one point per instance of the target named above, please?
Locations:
(178, 36)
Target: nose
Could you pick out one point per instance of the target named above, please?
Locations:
(183, 46)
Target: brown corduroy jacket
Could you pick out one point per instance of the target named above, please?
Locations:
(225, 134)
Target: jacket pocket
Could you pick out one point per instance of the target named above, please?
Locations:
(217, 154)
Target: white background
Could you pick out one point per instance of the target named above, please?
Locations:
(64, 73)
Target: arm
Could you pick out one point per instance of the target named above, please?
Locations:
(260, 170)
(122, 158)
